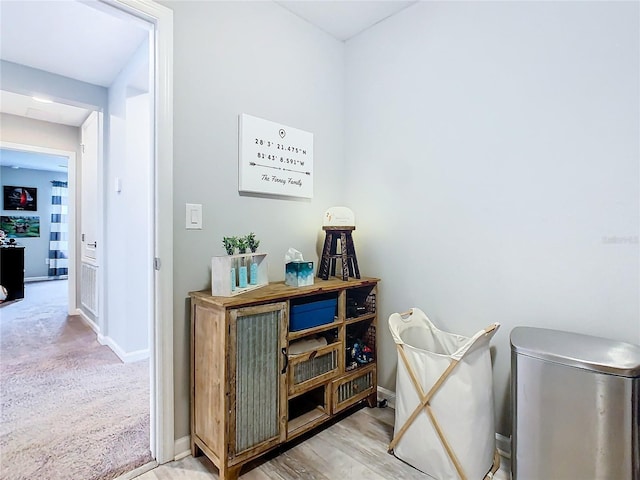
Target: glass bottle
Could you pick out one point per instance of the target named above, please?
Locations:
(253, 274)
(242, 273)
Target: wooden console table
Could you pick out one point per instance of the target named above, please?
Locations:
(253, 387)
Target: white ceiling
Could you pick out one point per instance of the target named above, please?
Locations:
(26, 106)
(70, 38)
(86, 41)
(344, 19)
(34, 161)
(89, 41)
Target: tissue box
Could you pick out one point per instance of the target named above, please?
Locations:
(299, 274)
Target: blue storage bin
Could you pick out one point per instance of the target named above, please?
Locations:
(312, 314)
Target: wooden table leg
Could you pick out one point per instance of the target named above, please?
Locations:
(230, 473)
(323, 271)
(334, 249)
(352, 252)
(345, 259)
(195, 451)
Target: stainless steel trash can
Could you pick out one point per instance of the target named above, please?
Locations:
(575, 406)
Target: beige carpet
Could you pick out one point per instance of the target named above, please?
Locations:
(70, 408)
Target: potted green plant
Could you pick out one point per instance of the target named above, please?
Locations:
(253, 244)
(230, 245)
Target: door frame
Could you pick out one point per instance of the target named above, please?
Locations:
(162, 383)
(71, 211)
(162, 441)
(97, 324)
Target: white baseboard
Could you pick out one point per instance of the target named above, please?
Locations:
(122, 355)
(108, 341)
(387, 395)
(503, 444)
(182, 448)
(44, 279)
(90, 323)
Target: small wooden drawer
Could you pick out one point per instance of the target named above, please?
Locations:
(313, 368)
(353, 388)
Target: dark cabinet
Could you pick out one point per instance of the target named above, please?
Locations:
(12, 271)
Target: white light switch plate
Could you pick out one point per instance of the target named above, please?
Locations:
(193, 216)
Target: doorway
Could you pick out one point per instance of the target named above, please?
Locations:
(65, 162)
(159, 301)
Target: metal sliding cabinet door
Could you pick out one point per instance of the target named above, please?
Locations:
(257, 364)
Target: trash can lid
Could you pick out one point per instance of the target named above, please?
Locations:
(577, 350)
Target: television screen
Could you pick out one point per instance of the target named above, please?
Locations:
(20, 198)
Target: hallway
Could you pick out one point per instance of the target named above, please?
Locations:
(70, 408)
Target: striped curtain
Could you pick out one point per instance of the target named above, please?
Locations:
(58, 255)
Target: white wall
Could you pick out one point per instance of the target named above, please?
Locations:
(255, 58)
(492, 154)
(36, 253)
(128, 267)
(31, 81)
(27, 131)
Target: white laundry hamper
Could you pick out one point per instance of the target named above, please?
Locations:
(444, 422)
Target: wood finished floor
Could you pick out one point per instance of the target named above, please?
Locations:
(353, 448)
